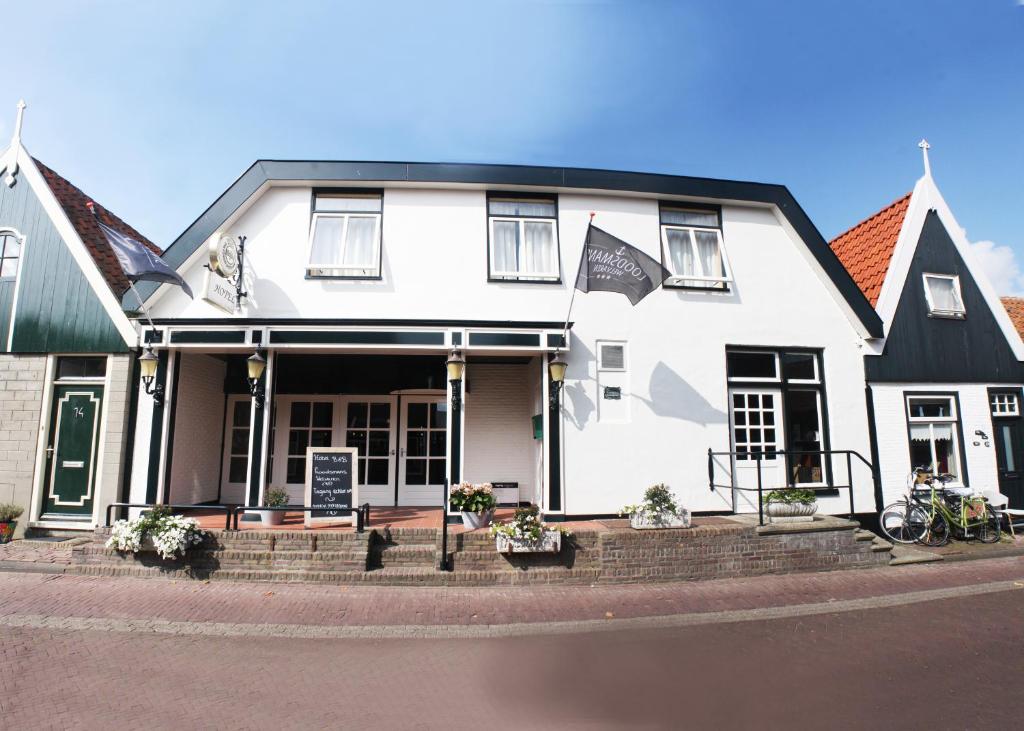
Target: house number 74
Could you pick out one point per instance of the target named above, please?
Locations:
(79, 412)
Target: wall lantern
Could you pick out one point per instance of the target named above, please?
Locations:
(556, 372)
(255, 364)
(456, 365)
(148, 363)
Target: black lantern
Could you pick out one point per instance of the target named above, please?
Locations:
(255, 364)
(556, 373)
(456, 365)
(148, 363)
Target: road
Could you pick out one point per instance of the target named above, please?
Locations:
(953, 663)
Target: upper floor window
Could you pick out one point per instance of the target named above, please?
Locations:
(943, 294)
(1004, 404)
(692, 249)
(10, 252)
(344, 238)
(523, 238)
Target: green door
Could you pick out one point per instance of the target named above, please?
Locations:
(71, 451)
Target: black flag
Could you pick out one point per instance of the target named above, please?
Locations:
(611, 265)
(138, 262)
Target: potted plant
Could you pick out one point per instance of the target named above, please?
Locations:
(658, 510)
(791, 505)
(475, 502)
(9, 514)
(156, 530)
(276, 497)
(525, 533)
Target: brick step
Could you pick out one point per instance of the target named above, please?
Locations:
(222, 559)
(389, 554)
(407, 535)
(490, 559)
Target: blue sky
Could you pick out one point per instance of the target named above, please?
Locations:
(155, 108)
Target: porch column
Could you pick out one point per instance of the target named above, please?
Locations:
(158, 427)
(455, 427)
(259, 435)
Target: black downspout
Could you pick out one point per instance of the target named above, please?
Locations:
(554, 448)
(876, 475)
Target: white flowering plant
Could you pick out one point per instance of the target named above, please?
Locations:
(526, 526)
(171, 535)
(658, 500)
(470, 498)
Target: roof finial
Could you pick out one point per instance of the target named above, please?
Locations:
(923, 144)
(12, 169)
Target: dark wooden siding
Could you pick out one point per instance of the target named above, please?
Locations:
(57, 310)
(927, 349)
(6, 302)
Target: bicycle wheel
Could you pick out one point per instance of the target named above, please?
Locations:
(988, 532)
(902, 523)
(936, 532)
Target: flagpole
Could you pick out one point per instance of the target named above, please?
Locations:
(572, 298)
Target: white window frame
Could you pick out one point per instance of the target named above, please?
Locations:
(1004, 404)
(521, 221)
(316, 270)
(760, 379)
(676, 278)
(932, 310)
(814, 359)
(953, 420)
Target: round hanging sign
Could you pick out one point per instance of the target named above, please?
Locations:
(224, 256)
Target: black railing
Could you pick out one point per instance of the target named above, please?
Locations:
(772, 455)
(149, 506)
(362, 512)
(442, 561)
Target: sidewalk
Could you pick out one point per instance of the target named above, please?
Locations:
(66, 601)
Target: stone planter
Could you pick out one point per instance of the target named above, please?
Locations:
(271, 517)
(7, 531)
(550, 542)
(474, 521)
(791, 512)
(649, 521)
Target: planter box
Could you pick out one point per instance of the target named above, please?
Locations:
(646, 521)
(791, 512)
(473, 521)
(271, 517)
(550, 542)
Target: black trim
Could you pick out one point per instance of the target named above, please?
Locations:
(876, 475)
(519, 340)
(555, 340)
(354, 337)
(156, 431)
(554, 453)
(357, 322)
(203, 337)
(680, 205)
(256, 337)
(134, 376)
(964, 477)
(455, 458)
(512, 195)
(263, 171)
(457, 338)
(176, 379)
(255, 496)
(223, 444)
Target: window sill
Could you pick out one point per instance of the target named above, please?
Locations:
(526, 280)
(719, 287)
(349, 277)
(947, 315)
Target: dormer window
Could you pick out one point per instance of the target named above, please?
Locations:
(344, 238)
(692, 249)
(942, 291)
(523, 239)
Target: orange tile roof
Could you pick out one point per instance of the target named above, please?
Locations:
(74, 201)
(866, 249)
(1015, 309)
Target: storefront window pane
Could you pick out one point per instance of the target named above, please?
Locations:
(804, 428)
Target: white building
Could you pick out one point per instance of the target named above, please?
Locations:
(945, 382)
(362, 277)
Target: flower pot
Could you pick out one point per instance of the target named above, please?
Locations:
(7, 531)
(271, 517)
(473, 521)
(791, 512)
(651, 521)
(550, 542)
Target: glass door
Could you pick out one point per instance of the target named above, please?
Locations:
(755, 417)
(235, 470)
(368, 428)
(423, 451)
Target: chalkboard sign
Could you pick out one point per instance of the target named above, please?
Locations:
(331, 483)
(613, 393)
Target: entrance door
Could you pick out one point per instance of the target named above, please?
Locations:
(755, 416)
(234, 484)
(423, 450)
(369, 428)
(72, 450)
(1009, 444)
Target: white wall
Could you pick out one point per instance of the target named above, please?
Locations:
(894, 440)
(198, 430)
(499, 435)
(435, 266)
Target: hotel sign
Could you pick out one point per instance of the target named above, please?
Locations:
(221, 293)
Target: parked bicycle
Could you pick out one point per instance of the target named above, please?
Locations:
(932, 513)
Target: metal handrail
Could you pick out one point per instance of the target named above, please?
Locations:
(758, 456)
(226, 508)
(362, 512)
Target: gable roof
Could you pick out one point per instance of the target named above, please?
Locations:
(73, 201)
(1015, 309)
(866, 249)
(314, 172)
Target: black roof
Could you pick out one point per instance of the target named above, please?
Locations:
(323, 171)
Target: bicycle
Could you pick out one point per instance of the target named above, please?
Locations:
(907, 520)
(931, 520)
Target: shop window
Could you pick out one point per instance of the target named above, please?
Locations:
(73, 368)
(523, 239)
(934, 434)
(692, 248)
(345, 235)
(943, 294)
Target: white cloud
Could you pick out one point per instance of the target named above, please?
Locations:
(999, 263)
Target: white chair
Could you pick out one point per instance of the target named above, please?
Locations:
(1001, 504)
